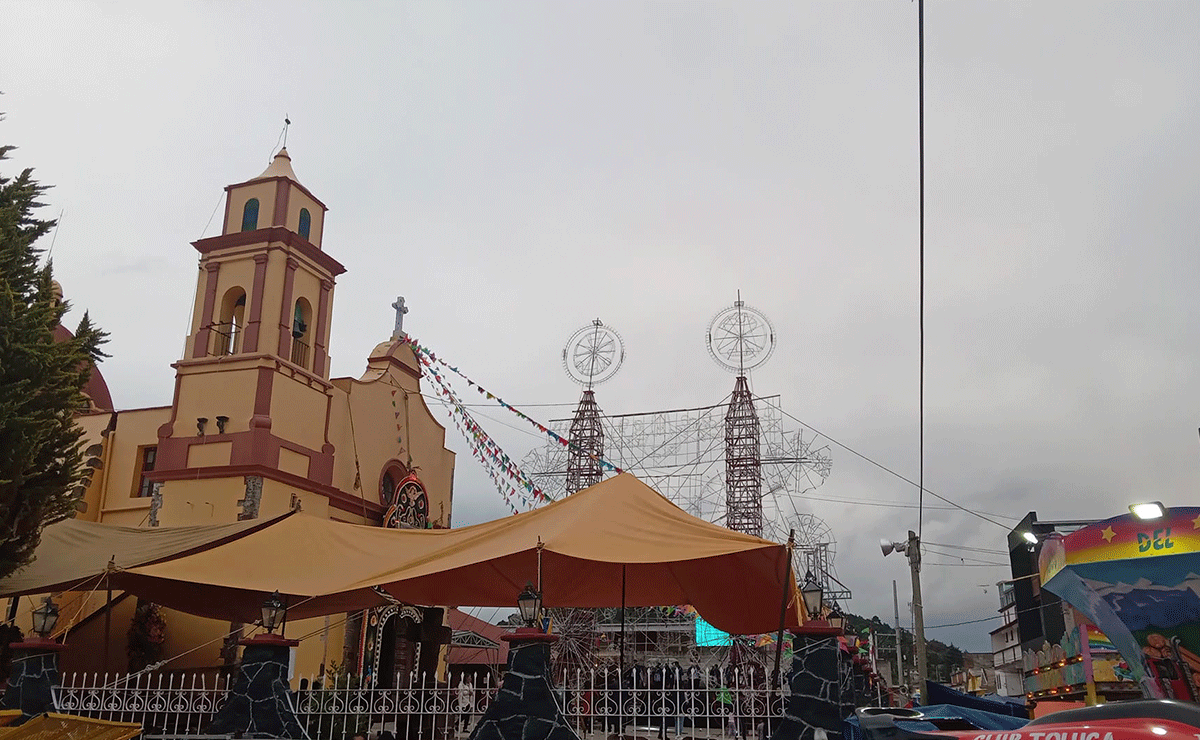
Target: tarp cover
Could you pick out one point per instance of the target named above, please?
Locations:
(936, 693)
(52, 726)
(978, 719)
(617, 531)
(76, 554)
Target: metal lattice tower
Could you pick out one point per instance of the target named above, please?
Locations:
(587, 445)
(592, 355)
(743, 463)
(741, 338)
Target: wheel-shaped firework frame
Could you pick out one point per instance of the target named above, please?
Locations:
(740, 338)
(593, 354)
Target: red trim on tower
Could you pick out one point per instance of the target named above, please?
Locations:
(256, 303)
(281, 202)
(278, 177)
(200, 346)
(305, 248)
(319, 335)
(286, 309)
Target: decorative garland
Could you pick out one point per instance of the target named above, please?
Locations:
(421, 350)
(511, 482)
(484, 449)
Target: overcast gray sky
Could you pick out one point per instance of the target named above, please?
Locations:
(517, 169)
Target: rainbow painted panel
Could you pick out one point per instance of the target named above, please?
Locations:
(1127, 538)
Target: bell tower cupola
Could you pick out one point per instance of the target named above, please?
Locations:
(265, 284)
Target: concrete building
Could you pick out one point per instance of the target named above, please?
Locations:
(1006, 646)
(256, 426)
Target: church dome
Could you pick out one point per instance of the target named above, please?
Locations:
(96, 389)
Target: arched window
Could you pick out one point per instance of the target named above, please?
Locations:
(250, 215)
(305, 222)
(301, 318)
(227, 331)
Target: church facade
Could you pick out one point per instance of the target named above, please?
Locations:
(257, 427)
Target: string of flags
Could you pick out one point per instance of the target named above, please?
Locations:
(511, 482)
(428, 357)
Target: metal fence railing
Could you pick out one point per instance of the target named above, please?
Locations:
(660, 703)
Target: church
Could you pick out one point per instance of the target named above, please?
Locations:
(256, 427)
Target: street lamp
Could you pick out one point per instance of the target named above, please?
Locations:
(45, 617)
(530, 604)
(1148, 510)
(273, 612)
(812, 592)
(836, 619)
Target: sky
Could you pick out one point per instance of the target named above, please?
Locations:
(518, 169)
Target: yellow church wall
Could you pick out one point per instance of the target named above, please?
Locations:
(428, 439)
(376, 438)
(297, 200)
(135, 430)
(264, 191)
(85, 643)
(321, 641)
(298, 412)
(205, 501)
(209, 455)
(277, 499)
(210, 391)
(93, 425)
(293, 462)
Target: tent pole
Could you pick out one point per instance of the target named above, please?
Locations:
(787, 577)
(108, 609)
(622, 617)
(107, 623)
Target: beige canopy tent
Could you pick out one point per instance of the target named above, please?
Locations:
(616, 542)
(75, 554)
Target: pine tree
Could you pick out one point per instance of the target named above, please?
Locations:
(41, 381)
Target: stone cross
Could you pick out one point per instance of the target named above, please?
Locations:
(401, 309)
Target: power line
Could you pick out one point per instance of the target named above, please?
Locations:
(888, 470)
(963, 558)
(970, 549)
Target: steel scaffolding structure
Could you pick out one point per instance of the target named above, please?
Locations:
(586, 436)
(743, 463)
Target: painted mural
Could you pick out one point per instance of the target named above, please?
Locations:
(1138, 580)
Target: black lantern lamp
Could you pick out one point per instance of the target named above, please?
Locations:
(45, 617)
(530, 603)
(812, 592)
(836, 619)
(273, 612)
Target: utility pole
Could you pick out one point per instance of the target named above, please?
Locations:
(914, 563)
(900, 680)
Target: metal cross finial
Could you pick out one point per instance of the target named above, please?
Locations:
(401, 309)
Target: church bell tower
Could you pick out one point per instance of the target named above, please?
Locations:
(252, 390)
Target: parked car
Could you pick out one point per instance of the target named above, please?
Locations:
(1127, 720)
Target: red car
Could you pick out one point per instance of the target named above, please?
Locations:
(1128, 720)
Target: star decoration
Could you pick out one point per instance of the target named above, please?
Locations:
(1107, 533)
(1196, 522)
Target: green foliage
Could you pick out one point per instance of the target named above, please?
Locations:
(41, 381)
(147, 633)
(943, 660)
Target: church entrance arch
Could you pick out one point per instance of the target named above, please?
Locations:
(392, 645)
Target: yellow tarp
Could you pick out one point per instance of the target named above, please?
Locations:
(588, 542)
(54, 726)
(76, 554)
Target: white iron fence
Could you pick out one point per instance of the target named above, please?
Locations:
(656, 703)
